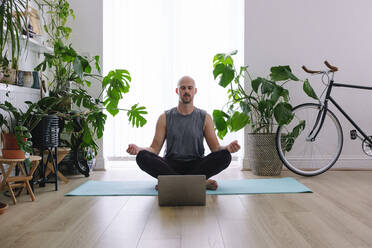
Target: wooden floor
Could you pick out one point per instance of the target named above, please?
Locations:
(338, 214)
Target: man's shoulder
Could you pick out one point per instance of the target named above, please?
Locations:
(170, 111)
(201, 111)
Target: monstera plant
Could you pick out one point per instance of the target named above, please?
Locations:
(263, 105)
(69, 74)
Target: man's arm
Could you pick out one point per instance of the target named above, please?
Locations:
(157, 142)
(211, 138)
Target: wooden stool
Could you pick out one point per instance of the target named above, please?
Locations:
(18, 181)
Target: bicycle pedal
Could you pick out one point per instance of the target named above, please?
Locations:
(353, 134)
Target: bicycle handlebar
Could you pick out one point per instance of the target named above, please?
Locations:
(309, 71)
(331, 67)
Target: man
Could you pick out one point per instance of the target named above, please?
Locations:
(184, 128)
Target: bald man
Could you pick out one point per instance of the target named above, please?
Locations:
(184, 127)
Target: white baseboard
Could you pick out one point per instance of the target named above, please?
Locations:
(348, 162)
(100, 164)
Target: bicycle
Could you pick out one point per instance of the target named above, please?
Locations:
(312, 142)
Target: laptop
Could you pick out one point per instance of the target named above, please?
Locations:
(181, 190)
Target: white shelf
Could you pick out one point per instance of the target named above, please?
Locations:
(36, 46)
(33, 45)
(19, 89)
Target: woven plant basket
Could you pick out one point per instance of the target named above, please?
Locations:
(262, 155)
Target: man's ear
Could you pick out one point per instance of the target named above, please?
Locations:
(196, 90)
(177, 91)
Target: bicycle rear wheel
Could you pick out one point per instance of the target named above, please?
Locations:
(302, 155)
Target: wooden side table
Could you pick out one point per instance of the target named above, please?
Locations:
(18, 181)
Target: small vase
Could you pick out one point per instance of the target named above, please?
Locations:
(20, 78)
(35, 75)
(10, 76)
(28, 79)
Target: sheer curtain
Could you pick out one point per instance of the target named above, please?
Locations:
(159, 41)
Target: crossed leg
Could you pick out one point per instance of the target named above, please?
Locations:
(209, 166)
(153, 164)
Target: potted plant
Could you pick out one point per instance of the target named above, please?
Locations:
(13, 24)
(262, 106)
(70, 74)
(15, 130)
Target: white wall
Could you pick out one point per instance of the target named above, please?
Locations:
(293, 32)
(87, 38)
(297, 32)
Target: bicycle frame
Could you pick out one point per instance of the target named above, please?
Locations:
(322, 113)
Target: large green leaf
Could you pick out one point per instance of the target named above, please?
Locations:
(238, 121)
(281, 73)
(283, 113)
(218, 69)
(245, 107)
(99, 120)
(218, 59)
(219, 121)
(87, 136)
(277, 92)
(78, 68)
(112, 107)
(221, 134)
(267, 87)
(117, 84)
(297, 129)
(256, 83)
(96, 58)
(228, 60)
(263, 105)
(136, 116)
(309, 90)
(227, 74)
(85, 64)
(285, 95)
(289, 139)
(224, 58)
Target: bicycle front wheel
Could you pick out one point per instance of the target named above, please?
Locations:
(303, 155)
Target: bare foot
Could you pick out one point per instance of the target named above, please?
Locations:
(211, 184)
(156, 187)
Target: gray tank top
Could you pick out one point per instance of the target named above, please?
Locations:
(184, 137)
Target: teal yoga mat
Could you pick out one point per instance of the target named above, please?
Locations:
(226, 187)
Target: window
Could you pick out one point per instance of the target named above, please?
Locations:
(159, 41)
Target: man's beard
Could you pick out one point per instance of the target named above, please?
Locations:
(184, 100)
